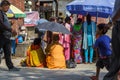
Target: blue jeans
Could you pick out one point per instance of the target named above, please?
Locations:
(13, 46)
(89, 50)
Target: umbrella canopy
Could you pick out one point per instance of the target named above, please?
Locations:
(54, 27)
(100, 8)
(40, 21)
(15, 12)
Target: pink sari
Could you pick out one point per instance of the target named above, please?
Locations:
(66, 42)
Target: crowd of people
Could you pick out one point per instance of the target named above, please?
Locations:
(65, 50)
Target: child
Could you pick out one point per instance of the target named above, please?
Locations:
(55, 54)
(102, 48)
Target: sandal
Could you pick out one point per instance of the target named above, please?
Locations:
(93, 77)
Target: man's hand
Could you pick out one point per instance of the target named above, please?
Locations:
(14, 32)
(12, 22)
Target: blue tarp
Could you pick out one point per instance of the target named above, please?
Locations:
(100, 8)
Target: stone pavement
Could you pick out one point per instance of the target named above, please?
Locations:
(81, 72)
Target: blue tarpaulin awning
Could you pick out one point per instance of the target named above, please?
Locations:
(100, 8)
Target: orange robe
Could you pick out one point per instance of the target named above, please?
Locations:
(55, 56)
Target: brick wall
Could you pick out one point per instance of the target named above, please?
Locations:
(18, 3)
(100, 20)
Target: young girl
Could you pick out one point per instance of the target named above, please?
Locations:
(55, 54)
(67, 40)
(89, 31)
(103, 49)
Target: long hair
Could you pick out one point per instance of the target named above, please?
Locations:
(55, 37)
(88, 19)
(37, 41)
(67, 19)
(79, 21)
(49, 37)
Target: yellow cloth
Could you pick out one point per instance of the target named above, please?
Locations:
(35, 57)
(55, 56)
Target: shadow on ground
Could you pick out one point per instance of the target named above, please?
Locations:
(45, 74)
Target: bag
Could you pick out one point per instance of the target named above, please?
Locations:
(70, 63)
(23, 63)
(20, 39)
(16, 40)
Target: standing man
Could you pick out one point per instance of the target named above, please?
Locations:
(5, 33)
(115, 64)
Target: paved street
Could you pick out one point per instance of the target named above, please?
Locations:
(81, 72)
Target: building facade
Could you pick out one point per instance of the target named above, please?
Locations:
(45, 8)
(48, 8)
(62, 6)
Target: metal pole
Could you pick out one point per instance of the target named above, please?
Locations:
(97, 18)
(56, 8)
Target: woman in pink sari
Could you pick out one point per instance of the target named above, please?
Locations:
(67, 40)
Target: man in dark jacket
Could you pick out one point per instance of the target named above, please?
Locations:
(115, 62)
(5, 34)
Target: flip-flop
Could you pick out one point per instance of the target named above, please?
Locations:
(93, 77)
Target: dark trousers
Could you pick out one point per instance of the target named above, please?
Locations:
(115, 59)
(6, 45)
